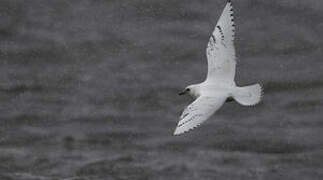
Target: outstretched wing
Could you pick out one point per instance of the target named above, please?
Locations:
(197, 112)
(220, 49)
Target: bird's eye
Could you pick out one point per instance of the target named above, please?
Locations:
(188, 89)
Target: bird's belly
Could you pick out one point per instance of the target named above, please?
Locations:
(218, 91)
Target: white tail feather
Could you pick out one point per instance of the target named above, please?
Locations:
(248, 95)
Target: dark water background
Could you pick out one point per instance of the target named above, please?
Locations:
(88, 90)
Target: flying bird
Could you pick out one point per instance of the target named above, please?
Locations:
(219, 86)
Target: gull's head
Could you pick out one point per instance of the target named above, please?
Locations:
(193, 90)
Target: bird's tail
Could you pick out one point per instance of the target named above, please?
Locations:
(248, 95)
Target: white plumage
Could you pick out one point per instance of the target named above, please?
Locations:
(219, 84)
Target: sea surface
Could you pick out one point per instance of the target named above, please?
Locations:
(88, 91)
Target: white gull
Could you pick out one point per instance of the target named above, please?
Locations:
(219, 85)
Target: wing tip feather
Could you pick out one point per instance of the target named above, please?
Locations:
(232, 15)
(179, 130)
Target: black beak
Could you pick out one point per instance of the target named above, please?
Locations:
(182, 93)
